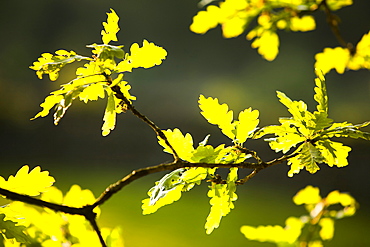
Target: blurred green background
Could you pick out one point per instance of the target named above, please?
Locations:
(75, 151)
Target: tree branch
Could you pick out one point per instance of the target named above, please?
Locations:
(117, 90)
(333, 21)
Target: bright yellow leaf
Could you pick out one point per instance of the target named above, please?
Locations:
(267, 44)
(109, 115)
(248, 122)
(111, 28)
(361, 59)
(205, 20)
(147, 56)
(217, 114)
(171, 196)
(337, 58)
(335, 153)
(183, 145)
(92, 92)
(303, 24)
(308, 195)
(327, 228)
(28, 182)
(49, 103)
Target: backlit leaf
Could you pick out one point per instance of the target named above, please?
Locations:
(171, 196)
(327, 228)
(147, 56)
(51, 64)
(309, 155)
(321, 95)
(267, 45)
(248, 122)
(335, 153)
(28, 182)
(183, 145)
(92, 92)
(286, 236)
(217, 114)
(222, 197)
(49, 102)
(308, 195)
(109, 116)
(337, 58)
(111, 28)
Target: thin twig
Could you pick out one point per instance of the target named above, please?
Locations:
(333, 22)
(117, 90)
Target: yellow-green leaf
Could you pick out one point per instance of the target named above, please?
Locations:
(335, 153)
(92, 92)
(49, 102)
(217, 114)
(222, 197)
(248, 122)
(171, 196)
(109, 116)
(321, 95)
(183, 145)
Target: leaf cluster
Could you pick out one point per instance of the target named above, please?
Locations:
(102, 75)
(237, 16)
(311, 229)
(25, 225)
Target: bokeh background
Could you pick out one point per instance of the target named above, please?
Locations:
(75, 152)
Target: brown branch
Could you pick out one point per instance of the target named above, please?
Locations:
(117, 90)
(96, 228)
(333, 21)
(38, 202)
(136, 174)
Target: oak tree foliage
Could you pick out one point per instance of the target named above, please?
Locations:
(305, 139)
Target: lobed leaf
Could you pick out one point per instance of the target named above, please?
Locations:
(183, 145)
(222, 197)
(92, 92)
(309, 156)
(51, 64)
(286, 236)
(335, 153)
(111, 28)
(247, 124)
(28, 182)
(147, 56)
(109, 115)
(321, 95)
(217, 114)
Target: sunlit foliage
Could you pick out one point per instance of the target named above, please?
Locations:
(237, 17)
(311, 229)
(305, 138)
(25, 225)
(95, 78)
